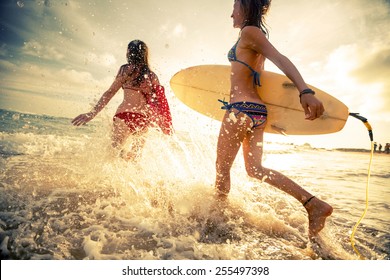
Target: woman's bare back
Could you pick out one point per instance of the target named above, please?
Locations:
(134, 96)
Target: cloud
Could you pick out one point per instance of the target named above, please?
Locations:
(6, 65)
(172, 30)
(43, 81)
(40, 50)
(179, 31)
(375, 66)
(105, 59)
(375, 70)
(343, 47)
(3, 50)
(341, 42)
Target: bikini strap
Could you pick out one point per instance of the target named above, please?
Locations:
(226, 105)
(255, 74)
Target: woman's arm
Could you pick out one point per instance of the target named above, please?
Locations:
(107, 95)
(103, 101)
(254, 39)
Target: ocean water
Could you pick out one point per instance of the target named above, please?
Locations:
(65, 195)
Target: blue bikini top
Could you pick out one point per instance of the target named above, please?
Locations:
(232, 56)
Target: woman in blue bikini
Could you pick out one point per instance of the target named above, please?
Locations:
(247, 59)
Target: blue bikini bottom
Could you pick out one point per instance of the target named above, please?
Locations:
(256, 112)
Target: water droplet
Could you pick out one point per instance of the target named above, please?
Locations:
(232, 117)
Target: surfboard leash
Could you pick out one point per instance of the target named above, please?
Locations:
(369, 128)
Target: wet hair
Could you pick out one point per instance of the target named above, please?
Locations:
(137, 55)
(254, 12)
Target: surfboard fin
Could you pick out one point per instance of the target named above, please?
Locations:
(279, 129)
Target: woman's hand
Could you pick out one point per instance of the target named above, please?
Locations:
(82, 119)
(312, 106)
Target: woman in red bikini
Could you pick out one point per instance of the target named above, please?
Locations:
(144, 103)
(247, 59)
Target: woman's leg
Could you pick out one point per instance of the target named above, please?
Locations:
(317, 209)
(136, 148)
(229, 142)
(136, 124)
(253, 153)
(120, 133)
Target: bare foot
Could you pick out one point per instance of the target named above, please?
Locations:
(318, 211)
(221, 202)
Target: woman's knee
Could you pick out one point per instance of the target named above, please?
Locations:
(255, 171)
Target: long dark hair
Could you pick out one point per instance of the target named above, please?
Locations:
(137, 55)
(255, 11)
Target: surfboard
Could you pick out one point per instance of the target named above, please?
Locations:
(200, 87)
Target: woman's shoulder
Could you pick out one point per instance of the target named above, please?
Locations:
(252, 35)
(251, 30)
(125, 69)
(154, 77)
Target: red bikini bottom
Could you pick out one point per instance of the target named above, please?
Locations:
(135, 121)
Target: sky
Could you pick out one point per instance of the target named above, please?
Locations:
(58, 56)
